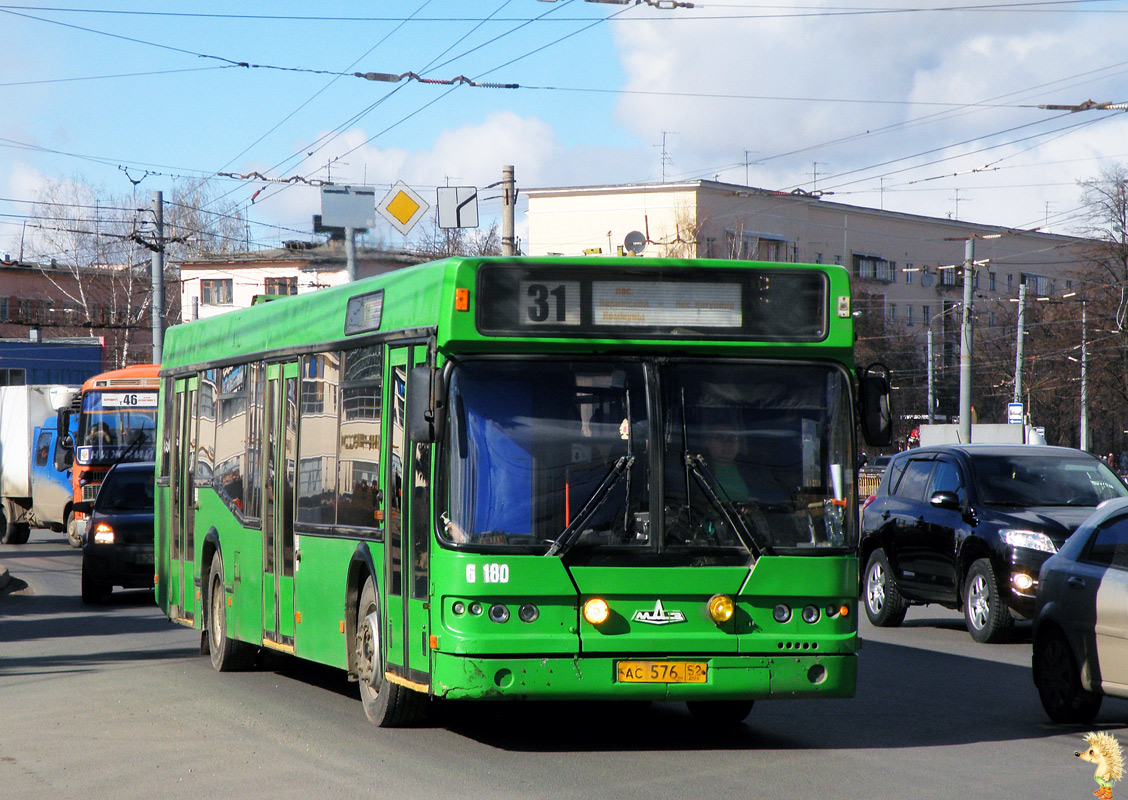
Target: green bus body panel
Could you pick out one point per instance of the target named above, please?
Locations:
(320, 577)
(657, 613)
(729, 678)
(826, 583)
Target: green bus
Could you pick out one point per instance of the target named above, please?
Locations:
(526, 478)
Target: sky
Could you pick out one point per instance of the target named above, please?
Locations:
(920, 108)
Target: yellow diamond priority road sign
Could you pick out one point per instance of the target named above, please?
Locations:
(403, 207)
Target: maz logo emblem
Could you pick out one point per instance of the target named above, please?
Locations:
(658, 616)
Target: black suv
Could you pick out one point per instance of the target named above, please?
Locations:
(969, 526)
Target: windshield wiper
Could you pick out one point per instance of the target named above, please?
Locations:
(694, 463)
(571, 534)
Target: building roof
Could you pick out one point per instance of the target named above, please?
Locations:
(797, 195)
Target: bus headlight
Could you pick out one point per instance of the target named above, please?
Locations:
(596, 611)
(721, 608)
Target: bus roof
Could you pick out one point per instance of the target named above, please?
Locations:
(133, 376)
(421, 300)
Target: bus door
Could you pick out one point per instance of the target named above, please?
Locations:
(407, 469)
(280, 438)
(182, 496)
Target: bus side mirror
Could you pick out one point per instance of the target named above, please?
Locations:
(420, 414)
(63, 457)
(874, 405)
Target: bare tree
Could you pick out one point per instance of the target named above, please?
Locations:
(436, 242)
(198, 221)
(95, 249)
(88, 248)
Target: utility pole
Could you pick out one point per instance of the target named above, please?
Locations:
(931, 390)
(350, 254)
(1019, 342)
(156, 201)
(965, 340)
(1084, 382)
(508, 211)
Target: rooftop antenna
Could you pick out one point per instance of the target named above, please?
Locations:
(665, 153)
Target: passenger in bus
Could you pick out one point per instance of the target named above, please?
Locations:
(722, 446)
(738, 477)
(100, 435)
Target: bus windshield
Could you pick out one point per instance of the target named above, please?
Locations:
(115, 426)
(744, 457)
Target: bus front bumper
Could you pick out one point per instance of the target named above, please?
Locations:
(598, 678)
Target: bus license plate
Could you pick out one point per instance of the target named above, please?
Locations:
(661, 671)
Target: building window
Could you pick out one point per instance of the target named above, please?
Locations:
(874, 268)
(1010, 281)
(1038, 284)
(991, 280)
(909, 314)
(818, 258)
(215, 291)
(910, 271)
(282, 285)
(13, 376)
(752, 246)
(3, 309)
(949, 277)
(926, 317)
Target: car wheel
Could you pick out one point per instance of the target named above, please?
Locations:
(987, 616)
(227, 655)
(719, 712)
(73, 536)
(94, 591)
(1059, 681)
(884, 605)
(387, 704)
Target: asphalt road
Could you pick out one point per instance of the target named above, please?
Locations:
(116, 702)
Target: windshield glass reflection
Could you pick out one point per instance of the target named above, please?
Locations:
(559, 455)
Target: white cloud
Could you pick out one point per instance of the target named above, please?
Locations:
(892, 59)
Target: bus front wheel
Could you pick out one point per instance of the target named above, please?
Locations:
(387, 704)
(227, 654)
(74, 538)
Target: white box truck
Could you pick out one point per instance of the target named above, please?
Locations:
(22, 409)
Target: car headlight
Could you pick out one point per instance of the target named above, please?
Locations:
(1031, 540)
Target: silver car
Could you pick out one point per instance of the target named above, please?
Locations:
(1081, 618)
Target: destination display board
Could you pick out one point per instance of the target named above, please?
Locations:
(759, 304)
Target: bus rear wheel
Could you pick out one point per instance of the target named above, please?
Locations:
(227, 655)
(387, 704)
